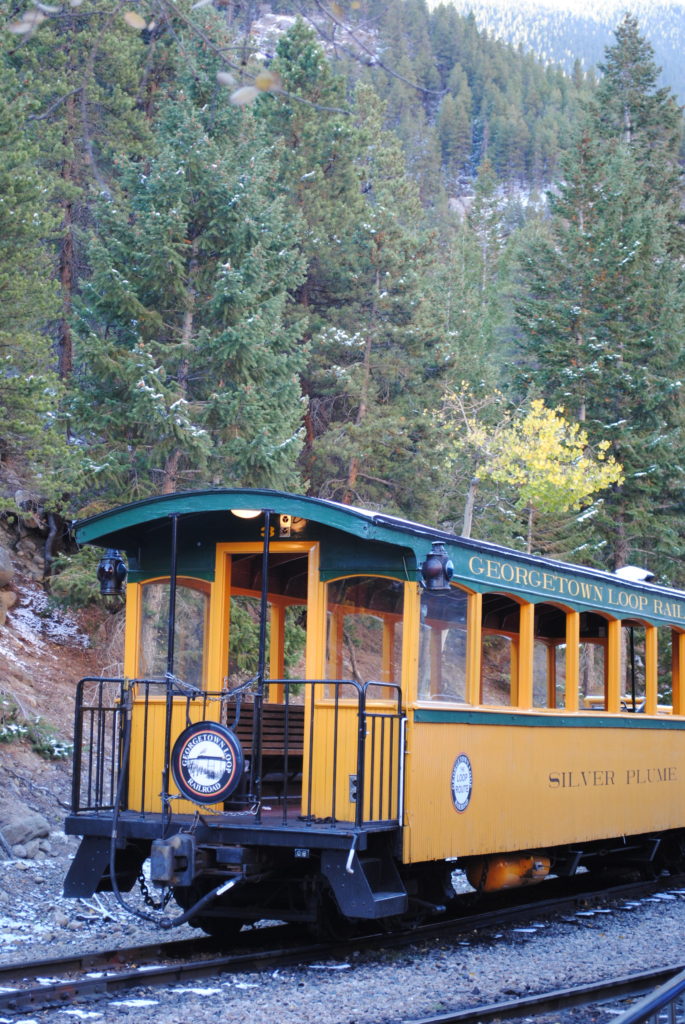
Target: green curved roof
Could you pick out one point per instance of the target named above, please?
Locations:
(130, 522)
(480, 565)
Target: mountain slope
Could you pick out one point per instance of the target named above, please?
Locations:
(564, 36)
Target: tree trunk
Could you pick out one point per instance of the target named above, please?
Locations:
(621, 545)
(170, 478)
(353, 471)
(67, 262)
(468, 508)
(173, 461)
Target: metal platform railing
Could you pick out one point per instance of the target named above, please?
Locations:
(354, 749)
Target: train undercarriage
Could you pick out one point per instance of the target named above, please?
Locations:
(331, 883)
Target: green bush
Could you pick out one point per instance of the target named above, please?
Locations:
(74, 583)
(36, 731)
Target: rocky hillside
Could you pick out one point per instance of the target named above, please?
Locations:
(44, 651)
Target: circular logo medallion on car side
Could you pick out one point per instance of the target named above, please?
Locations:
(462, 782)
(207, 762)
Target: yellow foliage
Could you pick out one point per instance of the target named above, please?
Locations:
(547, 460)
(134, 20)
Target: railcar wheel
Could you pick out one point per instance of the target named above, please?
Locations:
(218, 926)
(330, 924)
(224, 928)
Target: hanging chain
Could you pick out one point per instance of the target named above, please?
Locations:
(149, 899)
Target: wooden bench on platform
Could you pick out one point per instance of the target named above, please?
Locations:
(273, 729)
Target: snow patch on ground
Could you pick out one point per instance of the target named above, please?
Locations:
(36, 623)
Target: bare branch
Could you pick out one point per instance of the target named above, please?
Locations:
(374, 57)
(378, 480)
(55, 105)
(219, 52)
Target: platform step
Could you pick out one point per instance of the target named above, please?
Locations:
(367, 887)
(389, 903)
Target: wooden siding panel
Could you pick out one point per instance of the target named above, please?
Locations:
(147, 758)
(540, 786)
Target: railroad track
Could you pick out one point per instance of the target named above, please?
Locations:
(104, 973)
(559, 1000)
(117, 975)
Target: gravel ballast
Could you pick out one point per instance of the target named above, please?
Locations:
(365, 988)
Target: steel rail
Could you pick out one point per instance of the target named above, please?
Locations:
(115, 957)
(649, 1009)
(262, 959)
(60, 993)
(558, 999)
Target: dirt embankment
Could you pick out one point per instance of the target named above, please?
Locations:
(44, 651)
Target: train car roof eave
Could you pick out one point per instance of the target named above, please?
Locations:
(98, 528)
(115, 527)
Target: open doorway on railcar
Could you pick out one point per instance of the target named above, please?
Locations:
(263, 693)
(193, 645)
(286, 627)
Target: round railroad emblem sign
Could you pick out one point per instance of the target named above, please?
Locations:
(462, 782)
(207, 762)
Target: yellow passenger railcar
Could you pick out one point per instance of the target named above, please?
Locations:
(322, 709)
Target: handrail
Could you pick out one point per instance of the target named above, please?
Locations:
(101, 715)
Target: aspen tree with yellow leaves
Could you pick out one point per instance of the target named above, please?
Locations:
(546, 460)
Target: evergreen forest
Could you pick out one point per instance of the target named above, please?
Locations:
(566, 36)
(361, 251)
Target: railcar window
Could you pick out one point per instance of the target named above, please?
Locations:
(672, 673)
(666, 651)
(498, 665)
(499, 658)
(548, 667)
(593, 661)
(560, 676)
(364, 629)
(192, 606)
(542, 675)
(592, 675)
(442, 650)
(633, 662)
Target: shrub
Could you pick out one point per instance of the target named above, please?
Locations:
(14, 725)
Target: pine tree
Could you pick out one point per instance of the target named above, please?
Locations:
(454, 132)
(320, 179)
(602, 322)
(469, 289)
(317, 175)
(190, 372)
(603, 317)
(377, 376)
(630, 108)
(86, 111)
(33, 446)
